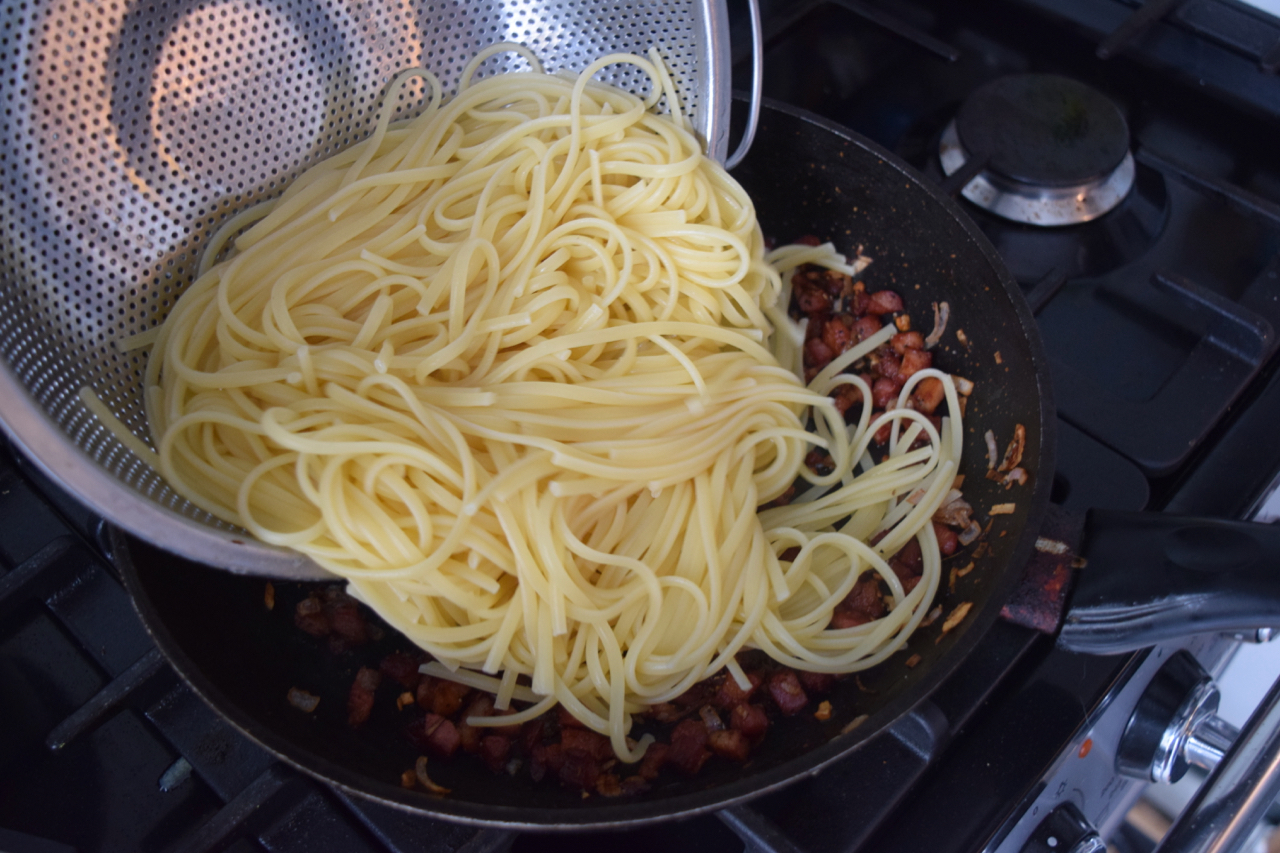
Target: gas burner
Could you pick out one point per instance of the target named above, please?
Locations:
(1052, 151)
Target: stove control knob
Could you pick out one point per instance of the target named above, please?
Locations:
(1065, 830)
(1175, 725)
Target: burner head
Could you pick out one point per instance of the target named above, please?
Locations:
(1044, 130)
(1055, 152)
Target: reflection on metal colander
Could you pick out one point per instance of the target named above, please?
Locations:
(133, 130)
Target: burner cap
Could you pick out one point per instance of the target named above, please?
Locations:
(1056, 152)
(1044, 130)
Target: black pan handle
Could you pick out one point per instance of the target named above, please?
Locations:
(1151, 577)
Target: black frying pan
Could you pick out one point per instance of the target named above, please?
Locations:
(806, 177)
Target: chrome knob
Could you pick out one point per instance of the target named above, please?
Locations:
(1175, 725)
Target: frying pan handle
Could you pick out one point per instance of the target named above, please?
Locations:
(1151, 577)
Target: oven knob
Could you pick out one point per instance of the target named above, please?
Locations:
(1175, 725)
(1065, 830)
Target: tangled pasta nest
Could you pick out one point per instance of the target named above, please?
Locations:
(511, 368)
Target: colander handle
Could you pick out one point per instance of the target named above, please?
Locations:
(757, 85)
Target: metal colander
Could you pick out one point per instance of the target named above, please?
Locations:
(133, 129)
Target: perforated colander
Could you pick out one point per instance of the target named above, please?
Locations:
(133, 129)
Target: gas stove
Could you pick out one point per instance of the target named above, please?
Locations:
(1148, 244)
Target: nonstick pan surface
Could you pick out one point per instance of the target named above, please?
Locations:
(807, 177)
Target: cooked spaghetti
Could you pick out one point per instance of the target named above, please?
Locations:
(511, 368)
